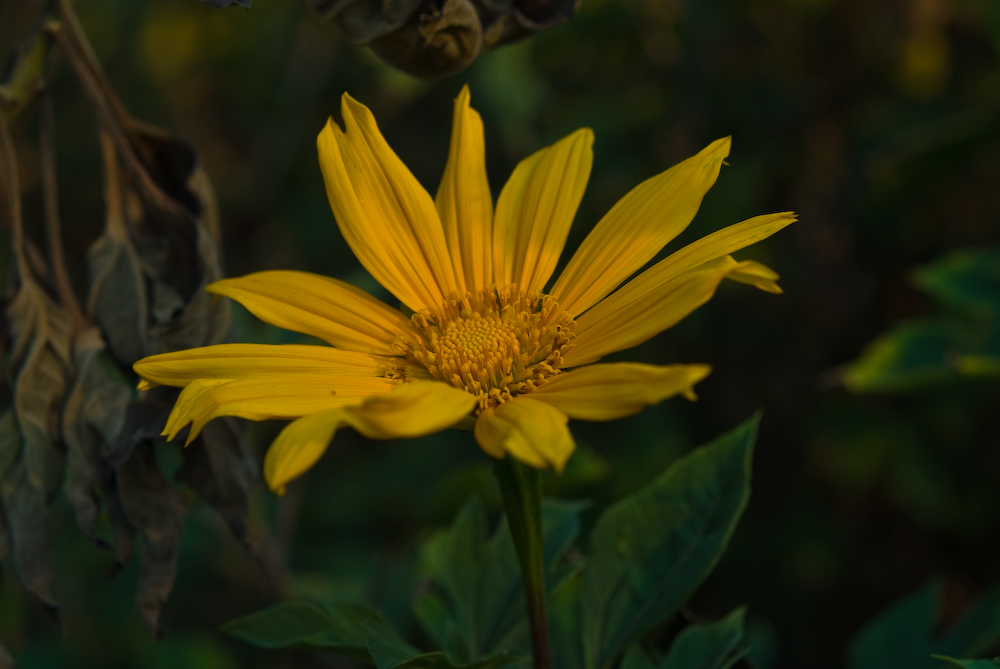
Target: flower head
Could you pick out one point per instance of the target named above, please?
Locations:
(486, 344)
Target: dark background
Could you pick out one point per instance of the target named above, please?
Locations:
(878, 122)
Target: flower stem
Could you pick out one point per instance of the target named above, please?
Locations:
(522, 498)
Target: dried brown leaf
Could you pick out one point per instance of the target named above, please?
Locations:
(26, 513)
(221, 470)
(150, 267)
(156, 509)
(92, 417)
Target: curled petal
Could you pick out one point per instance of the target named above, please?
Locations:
(533, 432)
(409, 410)
(299, 446)
(616, 390)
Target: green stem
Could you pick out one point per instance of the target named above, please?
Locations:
(522, 498)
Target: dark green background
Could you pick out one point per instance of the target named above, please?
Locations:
(878, 122)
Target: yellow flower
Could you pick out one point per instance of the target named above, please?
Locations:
(485, 347)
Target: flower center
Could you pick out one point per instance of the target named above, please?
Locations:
(494, 344)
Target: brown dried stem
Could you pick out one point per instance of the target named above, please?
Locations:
(13, 185)
(53, 231)
(111, 114)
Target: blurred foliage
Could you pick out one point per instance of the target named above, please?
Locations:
(905, 635)
(647, 554)
(961, 343)
(877, 122)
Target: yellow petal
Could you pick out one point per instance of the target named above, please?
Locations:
(411, 410)
(755, 274)
(464, 201)
(317, 305)
(281, 396)
(299, 446)
(536, 208)
(617, 324)
(615, 390)
(533, 432)
(236, 361)
(384, 213)
(636, 228)
(708, 248)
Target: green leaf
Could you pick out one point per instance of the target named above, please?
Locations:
(475, 607)
(907, 357)
(971, 664)
(651, 550)
(904, 636)
(899, 637)
(636, 658)
(708, 646)
(343, 628)
(967, 281)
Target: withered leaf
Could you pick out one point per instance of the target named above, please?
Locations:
(156, 509)
(26, 513)
(39, 363)
(36, 365)
(92, 417)
(150, 267)
(220, 469)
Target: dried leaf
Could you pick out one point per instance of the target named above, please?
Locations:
(92, 417)
(150, 267)
(156, 509)
(37, 364)
(221, 470)
(26, 512)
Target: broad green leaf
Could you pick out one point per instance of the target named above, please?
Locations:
(636, 658)
(967, 281)
(710, 646)
(970, 664)
(904, 636)
(343, 628)
(651, 550)
(909, 356)
(475, 608)
(899, 637)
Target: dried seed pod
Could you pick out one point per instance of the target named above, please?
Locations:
(435, 38)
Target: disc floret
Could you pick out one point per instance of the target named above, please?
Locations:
(495, 344)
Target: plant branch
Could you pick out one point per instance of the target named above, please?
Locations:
(53, 231)
(111, 114)
(522, 497)
(13, 186)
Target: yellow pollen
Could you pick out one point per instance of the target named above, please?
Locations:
(494, 344)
